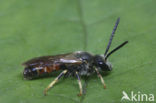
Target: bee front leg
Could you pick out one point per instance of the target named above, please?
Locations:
(54, 81)
(100, 76)
(79, 82)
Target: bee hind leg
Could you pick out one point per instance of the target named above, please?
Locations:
(100, 76)
(54, 81)
(80, 84)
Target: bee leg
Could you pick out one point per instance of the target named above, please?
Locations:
(99, 75)
(54, 81)
(79, 82)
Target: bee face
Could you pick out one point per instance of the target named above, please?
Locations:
(101, 63)
(109, 66)
(30, 73)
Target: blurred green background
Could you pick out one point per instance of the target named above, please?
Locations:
(31, 28)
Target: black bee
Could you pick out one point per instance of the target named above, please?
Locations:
(77, 64)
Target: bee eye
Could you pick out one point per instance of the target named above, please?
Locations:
(100, 62)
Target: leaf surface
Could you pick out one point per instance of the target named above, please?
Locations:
(36, 28)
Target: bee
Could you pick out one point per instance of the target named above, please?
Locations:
(75, 64)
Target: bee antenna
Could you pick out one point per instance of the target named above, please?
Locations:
(121, 45)
(112, 35)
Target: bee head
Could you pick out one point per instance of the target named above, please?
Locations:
(100, 62)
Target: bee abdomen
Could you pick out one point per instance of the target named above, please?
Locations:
(35, 72)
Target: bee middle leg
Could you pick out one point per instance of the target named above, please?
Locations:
(100, 76)
(80, 84)
(54, 81)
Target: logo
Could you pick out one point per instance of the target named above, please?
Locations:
(137, 96)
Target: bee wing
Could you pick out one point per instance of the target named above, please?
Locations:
(70, 60)
(50, 60)
(39, 61)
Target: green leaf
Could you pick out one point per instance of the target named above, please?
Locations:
(30, 28)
